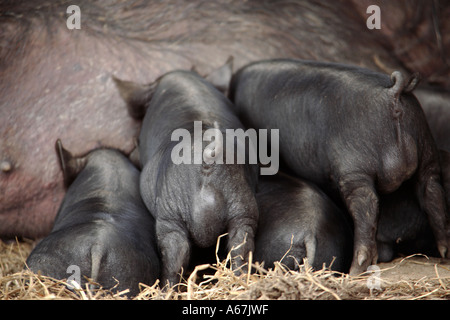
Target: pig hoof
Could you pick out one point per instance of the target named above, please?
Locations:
(443, 251)
(362, 257)
(5, 166)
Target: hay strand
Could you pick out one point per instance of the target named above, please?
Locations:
(414, 277)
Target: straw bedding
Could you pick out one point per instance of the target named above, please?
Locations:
(410, 278)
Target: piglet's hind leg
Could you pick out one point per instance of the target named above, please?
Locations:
(362, 203)
(175, 252)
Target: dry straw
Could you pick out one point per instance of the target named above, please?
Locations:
(218, 281)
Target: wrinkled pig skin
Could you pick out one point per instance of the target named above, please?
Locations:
(403, 228)
(436, 105)
(193, 203)
(297, 220)
(56, 82)
(355, 132)
(101, 226)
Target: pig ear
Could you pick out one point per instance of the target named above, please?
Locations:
(70, 165)
(220, 78)
(134, 155)
(135, 95)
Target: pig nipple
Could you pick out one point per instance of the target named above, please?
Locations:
(5, 166)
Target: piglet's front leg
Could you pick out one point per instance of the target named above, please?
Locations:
(175, 251)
